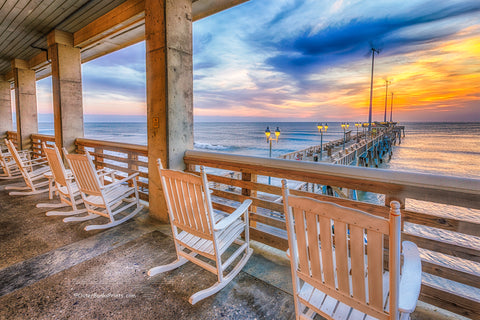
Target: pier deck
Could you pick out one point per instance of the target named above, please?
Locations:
(362, 149)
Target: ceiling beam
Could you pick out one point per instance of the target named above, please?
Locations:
(204, 8)
(120, 18)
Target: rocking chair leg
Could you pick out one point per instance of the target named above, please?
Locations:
(17, 188)
(90, 216)
(51, 205)
(64, 213)
(27, 193)
(220, 285)
(112, 223)
(160, 269)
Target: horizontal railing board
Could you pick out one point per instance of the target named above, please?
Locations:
(222, 207)
(255, 201)
(450, 249)
(268, 239)
(113, 146)
(442, 189)
(430, 220)
(277, 223)
(42, 137)
(118, 168)
(450, 301)
(120, 159)
(451, 274)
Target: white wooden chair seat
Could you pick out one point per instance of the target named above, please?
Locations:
(205, 246)
(61, 181)
(33, 173)
(340, 275)
(102, 199)
(198, 230)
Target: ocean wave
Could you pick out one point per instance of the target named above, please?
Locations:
(209, 146)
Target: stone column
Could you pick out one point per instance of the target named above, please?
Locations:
(67, 89)
(5, 109)
(25, 102)
(168, 33)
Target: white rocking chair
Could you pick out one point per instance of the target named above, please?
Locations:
(198, 230)
(8, 166)
(66, 188)
(34, 178)
(101, 199)
(337, 275)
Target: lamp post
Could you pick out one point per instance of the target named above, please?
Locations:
(357, 125)
(269, 140)
(344, 127)
(321, 129)
(371, 90)
(391, 108)
(386, 98)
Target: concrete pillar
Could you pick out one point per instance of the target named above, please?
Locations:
(67, 89)
(5, 109)
(168, 33)
(25, 103)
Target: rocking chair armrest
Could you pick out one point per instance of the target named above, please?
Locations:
(35, 162)
(411, 279)
(116, 183)
(233, 216)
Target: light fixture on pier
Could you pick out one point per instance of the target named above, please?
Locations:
(268, 134)
(344, 127)
(321, 128)
(358, 125)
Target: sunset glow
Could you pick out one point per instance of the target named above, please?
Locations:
(310, 61)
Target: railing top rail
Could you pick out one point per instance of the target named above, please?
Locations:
(114, 145)
(42, 136)
(403, 183)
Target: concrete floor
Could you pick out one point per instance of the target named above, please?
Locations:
(55, 270)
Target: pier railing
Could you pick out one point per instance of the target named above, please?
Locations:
(37, 140)
(12, 136)
(444, 258)
(123, 157)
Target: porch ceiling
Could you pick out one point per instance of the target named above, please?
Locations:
(24, 24)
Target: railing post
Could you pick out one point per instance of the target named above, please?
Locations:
(98, 158)
(131, 165)
(246, 176)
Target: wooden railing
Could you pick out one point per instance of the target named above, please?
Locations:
(439, 191)
(12, 136)
(123, 157)
(37, 140)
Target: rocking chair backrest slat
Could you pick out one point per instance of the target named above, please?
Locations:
(56, 164)
(21, 166)
(330, 243)
(85, 175)
(3, 163)
(187, 206)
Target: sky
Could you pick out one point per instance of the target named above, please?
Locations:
(310, 60)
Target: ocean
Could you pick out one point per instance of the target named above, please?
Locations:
(451, 149)
(439, 148)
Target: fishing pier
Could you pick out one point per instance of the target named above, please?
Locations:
(362, 149)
